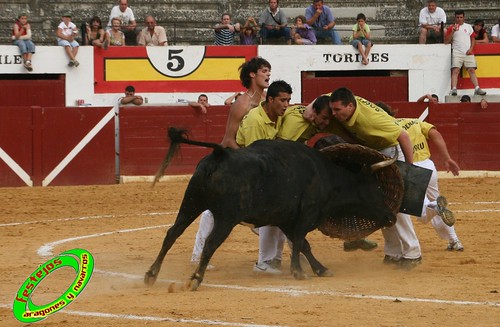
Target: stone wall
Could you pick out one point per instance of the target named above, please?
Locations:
(190, 21)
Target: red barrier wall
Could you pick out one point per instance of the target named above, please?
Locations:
(470, 132)
(39, 140)
(143, 137)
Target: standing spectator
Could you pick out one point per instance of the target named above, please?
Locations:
(21, 36)
(248, 32)
(461, 36)
(273, 23)
(430, 20)
(225, 31)
(127, 19)
(202, 103)
(320, 18)
(495, 32)
(66, 33)
(152, 34)
(95, 34)
(303, 33)
(116, 36)
(481, 33)
(130, 97)
(361, 37)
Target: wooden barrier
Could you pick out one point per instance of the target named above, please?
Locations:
(56, 146)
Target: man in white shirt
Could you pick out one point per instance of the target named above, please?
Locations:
(152, 35)
(462, 38)
(495, 32)
(129, 25)
(429, 22)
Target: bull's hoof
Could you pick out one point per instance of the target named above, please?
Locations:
(299, 275)
(193, 284)
(325, 273)
(149, 278)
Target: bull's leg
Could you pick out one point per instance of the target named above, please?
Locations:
(297, 243)
(220, 232)
(184, 219)
(316, 266)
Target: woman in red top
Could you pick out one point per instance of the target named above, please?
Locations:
(21, 36)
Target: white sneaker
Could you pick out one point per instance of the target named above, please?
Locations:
(266, 269)
(455, 246)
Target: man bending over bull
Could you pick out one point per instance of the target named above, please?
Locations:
(254, 76)
(374, 128)
(263, 123)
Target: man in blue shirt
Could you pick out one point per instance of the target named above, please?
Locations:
(320, 18)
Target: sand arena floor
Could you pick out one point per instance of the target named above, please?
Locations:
(123, 227)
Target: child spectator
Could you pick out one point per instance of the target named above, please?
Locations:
(95, 34)
(21, 36)
(481, 33)
(116, 36)
(248, 33)
(66, 33)
(361, 37)
(303, 33)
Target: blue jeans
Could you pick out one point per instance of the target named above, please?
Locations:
(331, 33)
(268, 34)
(26, 46)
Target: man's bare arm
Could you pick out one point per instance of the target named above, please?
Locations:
(236, 113)
(406, 146)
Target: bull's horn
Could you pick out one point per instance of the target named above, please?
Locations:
(376, 166)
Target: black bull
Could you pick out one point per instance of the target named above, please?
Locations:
(279, 183)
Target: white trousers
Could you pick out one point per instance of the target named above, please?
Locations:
(428, 213)
(401, 241)
(206, 226)
(271, 243)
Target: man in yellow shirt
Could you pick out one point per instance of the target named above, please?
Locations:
(263, 123)
(420, 132)
(371, 126)
(301, 123)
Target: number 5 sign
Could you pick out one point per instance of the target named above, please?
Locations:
(176, 61)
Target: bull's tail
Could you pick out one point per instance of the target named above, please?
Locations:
(178, 136)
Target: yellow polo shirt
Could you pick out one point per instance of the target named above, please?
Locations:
(370, 125)
(419, 134)
(295, 127)
(256, 125)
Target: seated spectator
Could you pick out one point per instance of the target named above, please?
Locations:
(152, 34)
(66, 33)
(320, 18)
(232, 98)
(202, 103)
(303, 33)
(481, 33)
(248, 32)
(495, 32)
(225, 31)
(431, 20)
(127, 19)
(115, 34)
(95, 34)
(429, 98)
(273, 23)
(130, 97)
(21, 36)
(361, 37)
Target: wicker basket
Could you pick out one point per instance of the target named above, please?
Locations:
(355, 157)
